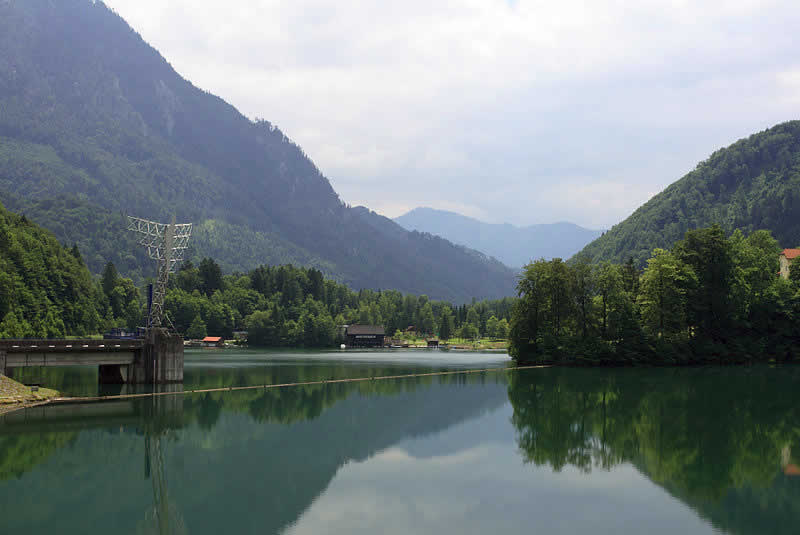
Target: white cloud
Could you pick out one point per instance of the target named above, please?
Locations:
(485, 488)
(486, 103)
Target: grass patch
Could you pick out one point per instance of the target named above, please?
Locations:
(12, 392)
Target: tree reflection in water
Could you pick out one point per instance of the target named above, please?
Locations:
(713, 437)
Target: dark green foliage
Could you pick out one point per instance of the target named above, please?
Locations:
(210, 276)
(468, 331)
(105, 127)
(794, 273)
(197, 330)
(108, 280)
(289, 306)
(708, 254)
(446, 324)
(709, 299)
(753, 184)
(45, 291)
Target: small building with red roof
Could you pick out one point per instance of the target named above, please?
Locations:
(786, 258)
(213, 341)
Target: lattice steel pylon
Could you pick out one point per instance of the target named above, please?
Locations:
(166, 244)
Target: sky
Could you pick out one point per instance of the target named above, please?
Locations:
(515, 111)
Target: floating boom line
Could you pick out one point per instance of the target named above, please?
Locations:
(96, 399)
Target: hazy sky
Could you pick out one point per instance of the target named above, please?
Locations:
(507, 110)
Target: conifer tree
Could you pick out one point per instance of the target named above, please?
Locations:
(109, 279)
(197, 330)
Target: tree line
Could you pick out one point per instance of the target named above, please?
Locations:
(47, 291)
(709, 299)
(292, 306)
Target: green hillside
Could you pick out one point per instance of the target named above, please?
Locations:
(108, 122)
(102, 236)
(45, 289)
(753, 184)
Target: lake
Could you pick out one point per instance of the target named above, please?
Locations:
(595, 451)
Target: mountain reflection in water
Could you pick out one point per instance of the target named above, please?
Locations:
(722, 441)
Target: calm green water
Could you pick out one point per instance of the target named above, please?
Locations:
(539, 451)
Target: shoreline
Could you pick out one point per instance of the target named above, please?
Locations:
(15, 396)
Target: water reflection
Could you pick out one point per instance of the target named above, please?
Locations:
(244, 461)
(724, 441)
(612, 446)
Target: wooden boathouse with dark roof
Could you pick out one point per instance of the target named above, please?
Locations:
(365, 336)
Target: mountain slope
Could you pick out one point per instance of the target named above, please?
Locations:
(104, 237)
(45, 290)
(106, 120)
(753, 184)
(514, 246)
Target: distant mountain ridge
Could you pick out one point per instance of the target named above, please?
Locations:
(751, 185)
(514, 246)
(104, 126)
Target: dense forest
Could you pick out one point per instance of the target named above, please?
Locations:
(46, 291)
(106, 127)
(292, 307)
(753, 184)
(710, 299)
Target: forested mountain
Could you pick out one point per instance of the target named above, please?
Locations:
(45, 289)
(753, 184)
(514, 246)
(95, 120)
(103, 235)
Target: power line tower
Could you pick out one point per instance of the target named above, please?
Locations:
(166, 244)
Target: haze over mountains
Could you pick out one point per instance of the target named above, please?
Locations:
(514, 246)
(96, 124)
(751, 185)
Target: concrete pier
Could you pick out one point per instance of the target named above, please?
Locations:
(156, 359)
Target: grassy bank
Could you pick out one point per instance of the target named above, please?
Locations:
(14, 395)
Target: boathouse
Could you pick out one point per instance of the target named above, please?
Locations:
(213, 341)
(364, 336)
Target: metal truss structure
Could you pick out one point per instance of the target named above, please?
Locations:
(166, 244)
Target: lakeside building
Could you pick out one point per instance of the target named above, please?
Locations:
(786, 257)
(364, 335)
(213, 341)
